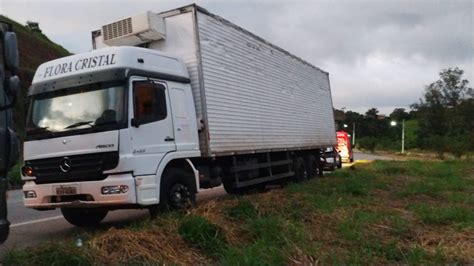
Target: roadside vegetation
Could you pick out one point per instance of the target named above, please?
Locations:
(440, 122)
(408, 212)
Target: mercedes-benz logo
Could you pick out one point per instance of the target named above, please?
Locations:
(65, 165)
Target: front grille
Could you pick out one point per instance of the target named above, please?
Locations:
(86, 167)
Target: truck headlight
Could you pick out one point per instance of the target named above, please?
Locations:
(114, 189)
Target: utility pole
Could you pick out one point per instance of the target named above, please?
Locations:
(9, 87)
(403, 136)
(353, 134)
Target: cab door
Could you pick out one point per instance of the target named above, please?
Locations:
(151, 134)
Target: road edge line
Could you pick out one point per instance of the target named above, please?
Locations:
(36, 221)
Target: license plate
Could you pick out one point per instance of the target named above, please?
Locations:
(66, 191)
(330, 160)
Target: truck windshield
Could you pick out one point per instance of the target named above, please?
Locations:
(94, 107)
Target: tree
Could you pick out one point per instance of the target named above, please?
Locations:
(452, 87)
(372, 113)
(445, 114)
(398, 114)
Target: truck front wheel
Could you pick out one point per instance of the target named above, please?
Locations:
(84, 217)
(178, 192)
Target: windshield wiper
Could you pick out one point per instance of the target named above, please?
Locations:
(39, 130)
(78, 124)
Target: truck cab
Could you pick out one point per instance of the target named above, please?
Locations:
(344, 147)
(101, 127)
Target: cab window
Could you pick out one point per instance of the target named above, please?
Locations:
(149, 100)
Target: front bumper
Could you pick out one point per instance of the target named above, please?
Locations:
(47, 198)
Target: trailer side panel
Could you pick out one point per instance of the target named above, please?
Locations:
(258, 96)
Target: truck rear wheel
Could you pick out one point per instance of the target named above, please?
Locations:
(301, 172)
(312, 166)
(84, 217)
(178, 192)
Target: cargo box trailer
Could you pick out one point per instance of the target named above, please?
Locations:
(168, 104)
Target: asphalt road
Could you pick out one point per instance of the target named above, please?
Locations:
(30, 227)
(370, 157)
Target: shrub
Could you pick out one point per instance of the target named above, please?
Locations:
(367, 143)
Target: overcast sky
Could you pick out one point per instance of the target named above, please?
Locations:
(378, 53)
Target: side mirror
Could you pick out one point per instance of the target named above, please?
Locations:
(11, 51)
(135, 123)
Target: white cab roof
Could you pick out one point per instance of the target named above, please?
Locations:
(111, 58)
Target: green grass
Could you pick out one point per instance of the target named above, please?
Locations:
(352, 228)
(202, 234)
(374, 214)
(414, 168)
(399, 226)
(434, 187)
(437, 215)
(243, 210)
(257, 253)
(460, 197)
(272, 239)
(433, 179)
(49, 254)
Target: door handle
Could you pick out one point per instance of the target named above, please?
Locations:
(169, 139)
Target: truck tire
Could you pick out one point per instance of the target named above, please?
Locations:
(177, 192)
(301, 172)
(84, 217)
(312, 166)
(320, 167)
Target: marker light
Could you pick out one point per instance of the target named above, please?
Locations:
(114, 189)
(27, 171)
(29, 194)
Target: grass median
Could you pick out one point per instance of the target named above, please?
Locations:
(409, 212)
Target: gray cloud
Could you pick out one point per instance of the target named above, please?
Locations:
(379, 53)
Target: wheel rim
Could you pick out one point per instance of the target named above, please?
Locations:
(179, 197)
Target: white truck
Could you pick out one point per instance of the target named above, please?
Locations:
(164, 106)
